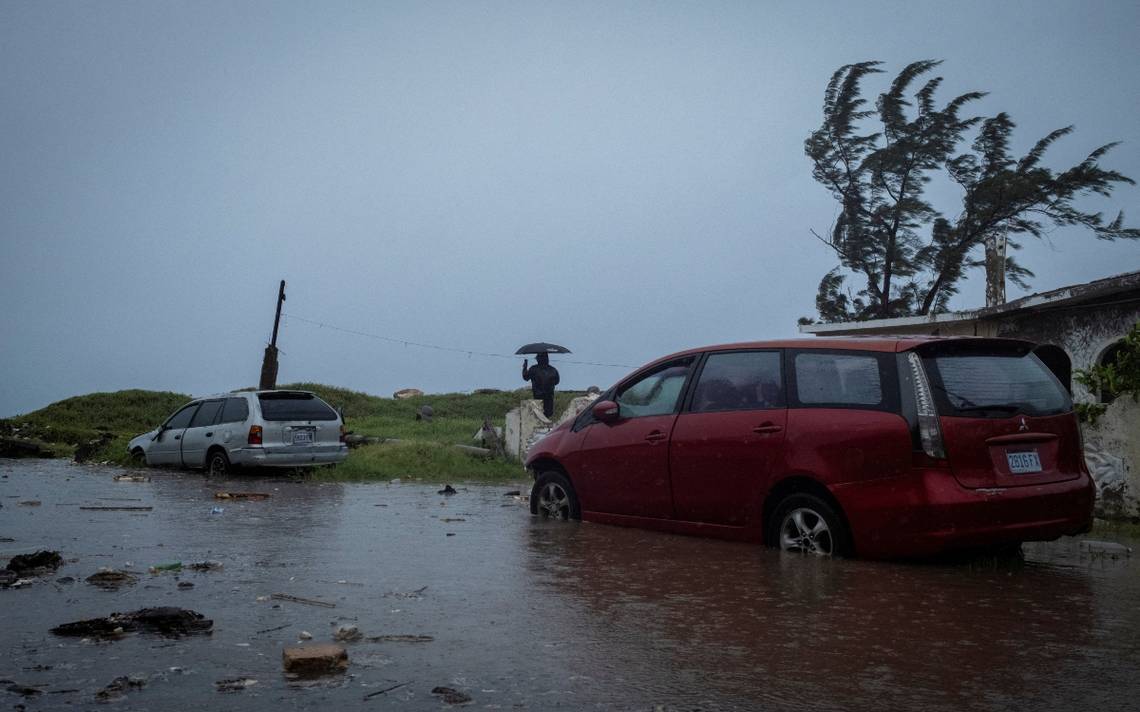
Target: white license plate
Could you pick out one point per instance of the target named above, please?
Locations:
(1023, 463)
(302, 437)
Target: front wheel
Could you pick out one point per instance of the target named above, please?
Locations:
(805, 523)
(553, 497)
(217, 465)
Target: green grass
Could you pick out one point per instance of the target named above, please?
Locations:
(1106, 529)
(423, 460)
(425, 450)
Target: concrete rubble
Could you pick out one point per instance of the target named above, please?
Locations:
(315, 659)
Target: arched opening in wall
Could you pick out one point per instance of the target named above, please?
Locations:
(1058, 362)
(1108, 358)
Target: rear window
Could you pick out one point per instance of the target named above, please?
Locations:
(294, 406)
(998, 385)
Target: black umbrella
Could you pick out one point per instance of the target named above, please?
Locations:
(541, 347)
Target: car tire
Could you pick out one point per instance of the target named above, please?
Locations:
(138, 457)
(217, 464)
(553, 497)
(806, 524)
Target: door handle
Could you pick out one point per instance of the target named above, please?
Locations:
(656, 436)
(766, 428)
(177, 437)
(209, 435)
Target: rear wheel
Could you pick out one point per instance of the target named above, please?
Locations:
(217, 464)
(553, 497)
(805, 523)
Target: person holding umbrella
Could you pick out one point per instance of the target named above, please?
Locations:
(542, 376)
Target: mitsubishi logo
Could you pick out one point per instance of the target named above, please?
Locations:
(1022, 426)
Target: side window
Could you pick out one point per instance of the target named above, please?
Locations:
(206, 414)
(236, 410)
(181, 419)
(739, 380)
(655, 393)
(843, 380)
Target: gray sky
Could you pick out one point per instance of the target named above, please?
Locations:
(624, 178)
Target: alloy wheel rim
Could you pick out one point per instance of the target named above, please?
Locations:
(554, 502)
(804, 530)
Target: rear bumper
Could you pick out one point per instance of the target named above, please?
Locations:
(927, 512)
(288, 456)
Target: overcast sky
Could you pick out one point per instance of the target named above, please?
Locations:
(624, 178)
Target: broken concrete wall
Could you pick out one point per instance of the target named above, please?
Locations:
(521, 425)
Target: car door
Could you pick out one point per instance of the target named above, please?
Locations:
(200, 434)
(624, 464)
(166, 449)
(729, 438)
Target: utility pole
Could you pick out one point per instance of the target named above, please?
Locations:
(269, 363)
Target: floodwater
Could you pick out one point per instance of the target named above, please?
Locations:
(529, 614)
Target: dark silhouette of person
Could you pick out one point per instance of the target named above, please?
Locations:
(543, 378)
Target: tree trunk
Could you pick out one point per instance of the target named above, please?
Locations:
(995, 269)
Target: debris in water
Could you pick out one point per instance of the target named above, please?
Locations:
(118, 509)
(418, 593)
(236, 684)
(119, 687)
(31, 503)
(512, 493)
(205, 566)
(315, 659)
(185, 584)
(298, 599)
(451, 696)
(305, 635)
(452, 519)
(1106, 548)
(172, 566)
(400, 639)
(447, 489)
(23, 690)
(167, 620)
(370, 695)
(242, 495)
(110, 579)
(131, 478)
(347, 633)
(39, 562)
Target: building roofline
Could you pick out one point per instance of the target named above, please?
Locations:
(1053, 299)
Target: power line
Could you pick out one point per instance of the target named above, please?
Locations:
(437, 347)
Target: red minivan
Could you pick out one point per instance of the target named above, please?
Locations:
(876, 447)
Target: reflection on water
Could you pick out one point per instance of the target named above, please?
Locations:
(526, 613)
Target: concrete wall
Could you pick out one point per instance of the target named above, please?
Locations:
(1112, 446)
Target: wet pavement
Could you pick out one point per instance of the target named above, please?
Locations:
(470, 593)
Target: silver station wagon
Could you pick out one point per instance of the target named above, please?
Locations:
(250, 429)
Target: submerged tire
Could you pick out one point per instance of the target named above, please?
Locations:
(138, 457)
(217, 464)
(806, 524)
(553, 497)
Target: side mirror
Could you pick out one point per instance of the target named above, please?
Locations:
(606, 411)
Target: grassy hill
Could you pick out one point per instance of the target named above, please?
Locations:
(424, 450)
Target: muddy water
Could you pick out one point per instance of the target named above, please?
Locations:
(536, 615)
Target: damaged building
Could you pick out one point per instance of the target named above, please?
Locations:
(1075, 327)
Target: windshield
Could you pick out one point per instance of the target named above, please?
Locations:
(994, 385)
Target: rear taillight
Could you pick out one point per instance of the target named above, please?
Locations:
(254, 435)
(343, 432)
(929, 429)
